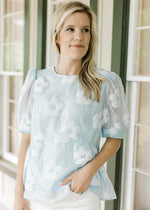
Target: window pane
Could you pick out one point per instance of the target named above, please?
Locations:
(12, 87)
(8, 6)
(19, 28)
(143, 149)
(18, 5)
(13, 36)
(18, 57)
(8, 29)
(12, 139)
(142, 192)
(144, 103)
(7, 55)
(12, 115)
(141, 63)
(143, 13)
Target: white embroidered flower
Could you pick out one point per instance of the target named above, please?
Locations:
(112, 131)
(53, 107)
(68, 80)
(97, 120)
(36, 149)
(81, 155)
(115, 99)
(70, 130)
(25, 121)
(52, 171)
(38, 136)
(41, 84)
(105, 116)
(30, 181)
(80, 98)
(107, 73)
(117, 126)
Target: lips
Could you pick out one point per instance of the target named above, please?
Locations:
(77, 46)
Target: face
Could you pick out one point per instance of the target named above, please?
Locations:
(74, 36)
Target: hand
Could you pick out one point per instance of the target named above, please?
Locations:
(80, 180)
(20, 203)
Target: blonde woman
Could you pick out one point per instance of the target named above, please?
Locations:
(63, 112)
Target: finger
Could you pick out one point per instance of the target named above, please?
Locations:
(65, 181)
(77, 190)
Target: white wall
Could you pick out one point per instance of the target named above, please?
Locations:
(7, 185)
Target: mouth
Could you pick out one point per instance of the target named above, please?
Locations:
(77, 46)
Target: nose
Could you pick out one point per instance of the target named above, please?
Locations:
(78, 35)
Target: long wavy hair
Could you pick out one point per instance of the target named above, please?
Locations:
(89, 79)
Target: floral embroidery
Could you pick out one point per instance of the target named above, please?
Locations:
(52, 170)
(80, 98)
(53, 107)
(25, 121)
(30, 181)
(37, 148)
(115, 99)
(38, 136)
(106, 73)
(105, 116)
(81, 155)
(117, 126)
(97, 120)
(41, 84)
(70, 130)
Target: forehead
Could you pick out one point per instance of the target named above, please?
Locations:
(78, 18)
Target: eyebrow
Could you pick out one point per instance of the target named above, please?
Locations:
(81, 26)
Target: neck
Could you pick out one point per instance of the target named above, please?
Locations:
(66, 67)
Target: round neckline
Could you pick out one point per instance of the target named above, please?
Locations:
(63, 75)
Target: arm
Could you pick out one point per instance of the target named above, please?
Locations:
(110, 147)
(20, 202)
(81, 178)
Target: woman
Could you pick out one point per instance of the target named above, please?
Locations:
(63, 111)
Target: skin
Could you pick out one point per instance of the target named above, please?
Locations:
(74, 39)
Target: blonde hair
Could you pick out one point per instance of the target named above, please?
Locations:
(90, 81)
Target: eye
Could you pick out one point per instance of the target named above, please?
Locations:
(85, 30)
(70, 29)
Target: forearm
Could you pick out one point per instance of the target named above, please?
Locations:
(110, 147)
(25, 142)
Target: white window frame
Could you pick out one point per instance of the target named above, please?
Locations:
(129, 153)
(32, 63)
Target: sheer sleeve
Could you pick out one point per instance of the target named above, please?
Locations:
(115, 114)
(25, 103)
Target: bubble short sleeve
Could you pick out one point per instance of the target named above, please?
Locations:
(115, 115)
(25, 102)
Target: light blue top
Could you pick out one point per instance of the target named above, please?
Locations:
(66, 129)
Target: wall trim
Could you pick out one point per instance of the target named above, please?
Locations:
(8, 168)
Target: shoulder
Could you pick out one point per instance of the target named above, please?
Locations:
(109, 75)
(45, 72)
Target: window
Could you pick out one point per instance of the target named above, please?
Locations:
(11, 72)
(137, 165)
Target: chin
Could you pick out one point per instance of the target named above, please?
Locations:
(77, 57)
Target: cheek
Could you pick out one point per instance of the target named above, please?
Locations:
(88, 39)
